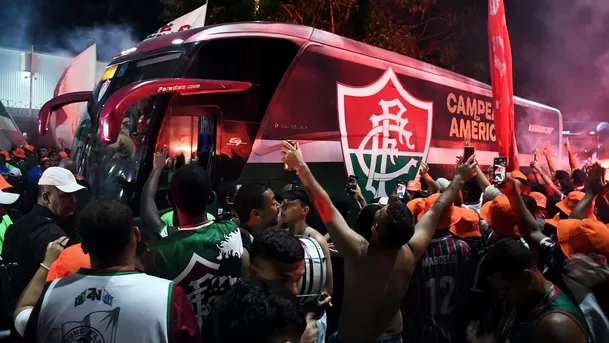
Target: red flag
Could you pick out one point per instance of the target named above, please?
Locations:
(501, 80)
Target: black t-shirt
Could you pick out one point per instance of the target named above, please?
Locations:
(26, 243)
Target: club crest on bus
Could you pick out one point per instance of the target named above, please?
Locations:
(385, 132)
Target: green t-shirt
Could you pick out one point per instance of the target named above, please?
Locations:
(6, 221)
(167, 218)
(205, 261)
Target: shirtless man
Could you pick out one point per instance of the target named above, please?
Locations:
(377, 272)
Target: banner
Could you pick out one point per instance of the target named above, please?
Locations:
(9, 131)
(79, 76)
(500, 55)
(188, 21)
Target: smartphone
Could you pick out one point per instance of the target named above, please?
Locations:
(499, 170)
(401, 190)
(295, 145)
(352, 184)
(468, 151)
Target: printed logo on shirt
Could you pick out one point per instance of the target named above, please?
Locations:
(94, 294)
(96, 327)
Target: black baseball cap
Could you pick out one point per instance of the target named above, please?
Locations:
(297, 194)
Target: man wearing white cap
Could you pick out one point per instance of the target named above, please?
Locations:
(27, 239)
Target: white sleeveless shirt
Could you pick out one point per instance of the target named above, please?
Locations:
(106, 307)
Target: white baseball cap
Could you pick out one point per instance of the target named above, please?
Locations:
(8, 198)
(61, 178)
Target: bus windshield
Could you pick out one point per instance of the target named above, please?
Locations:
(112, 169)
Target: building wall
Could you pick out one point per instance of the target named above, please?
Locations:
(15, 84)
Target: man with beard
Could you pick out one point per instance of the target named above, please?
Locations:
(257, 210)
(377, 272)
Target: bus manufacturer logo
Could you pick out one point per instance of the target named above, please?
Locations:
(178, 88)
(235, 141)
(385, 132)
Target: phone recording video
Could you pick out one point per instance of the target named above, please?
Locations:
(468, 151)
(352, 184)
(499, 170)
(401, 190)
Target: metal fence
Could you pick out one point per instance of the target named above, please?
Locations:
(15, 84)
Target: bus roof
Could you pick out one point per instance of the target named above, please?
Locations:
(300, 34)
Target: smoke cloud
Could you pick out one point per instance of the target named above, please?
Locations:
(24, 25)
(110, 40)
(568, 65)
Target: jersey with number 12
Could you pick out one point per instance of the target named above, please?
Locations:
(440, 280)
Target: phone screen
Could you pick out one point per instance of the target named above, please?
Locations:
(468, 151)
(499, 170)
(352, 181)
(401, 190)
(352, 184)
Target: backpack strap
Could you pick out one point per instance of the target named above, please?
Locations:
(17, 234)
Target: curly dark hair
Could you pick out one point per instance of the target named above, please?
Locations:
(256, 311)
(399, 226)
(277, 245)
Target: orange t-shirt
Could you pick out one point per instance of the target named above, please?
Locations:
(69, 262)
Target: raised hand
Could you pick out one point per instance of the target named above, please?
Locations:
(595, 183)
(467, 170)
(160, 160)
(291, 156)
(546, 149)
(424, 169)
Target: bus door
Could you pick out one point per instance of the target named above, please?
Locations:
(186, 125)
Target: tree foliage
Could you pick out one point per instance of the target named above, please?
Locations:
(449, 34)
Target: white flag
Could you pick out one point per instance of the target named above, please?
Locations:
(79, 76)
(188, 21)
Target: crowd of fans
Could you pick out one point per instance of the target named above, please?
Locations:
(465, 260)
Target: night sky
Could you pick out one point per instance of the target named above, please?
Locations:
(560, 47)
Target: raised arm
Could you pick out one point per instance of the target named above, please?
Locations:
(426, 227)
(350, 244)
(546, 153)
(149, 213)
(594, 188)
(432, 185)
(537, 170)
(572, 160)
(527, 225)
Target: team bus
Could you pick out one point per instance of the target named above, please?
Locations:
(225, 96)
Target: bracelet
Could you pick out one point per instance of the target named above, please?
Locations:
(45, 267)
